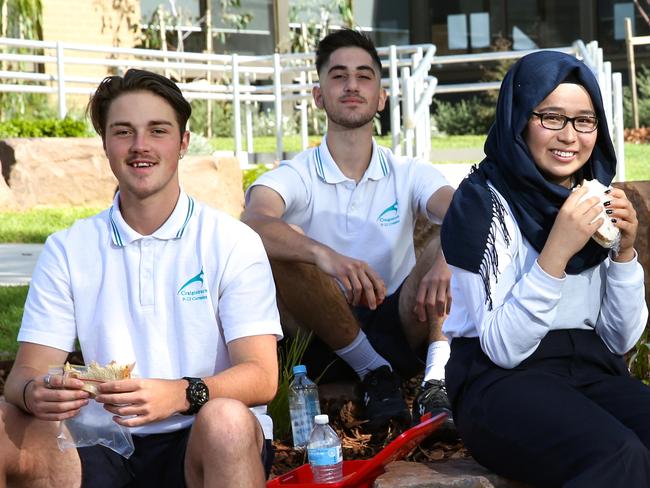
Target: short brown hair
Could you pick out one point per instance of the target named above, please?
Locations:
(133, 80)
(344, 38)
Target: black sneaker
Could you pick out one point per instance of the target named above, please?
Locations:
(382, 399)
(432, 398)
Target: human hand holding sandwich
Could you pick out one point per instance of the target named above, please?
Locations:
(134, 401)
(138, 401)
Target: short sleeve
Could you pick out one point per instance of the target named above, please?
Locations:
(288, 183)
(49, 317)
(247, 304)
(426, 181)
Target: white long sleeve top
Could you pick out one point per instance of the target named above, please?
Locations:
(527, 302)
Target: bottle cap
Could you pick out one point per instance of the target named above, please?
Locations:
(322, 419)
(299, 368)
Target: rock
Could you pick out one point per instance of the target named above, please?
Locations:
(7, 201)
(57, 172)
(453, 473)
(216, 182)
(638, 192)
(64, 172)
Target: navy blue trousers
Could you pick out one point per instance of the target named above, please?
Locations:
(570, 415)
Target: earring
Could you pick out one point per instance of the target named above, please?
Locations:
(181, 155)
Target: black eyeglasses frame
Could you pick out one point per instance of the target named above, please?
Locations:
(566, 121)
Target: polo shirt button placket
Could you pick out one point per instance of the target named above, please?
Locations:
(146, 272)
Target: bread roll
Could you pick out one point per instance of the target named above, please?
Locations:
(607, 235)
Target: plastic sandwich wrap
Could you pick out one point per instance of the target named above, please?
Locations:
(93, 425)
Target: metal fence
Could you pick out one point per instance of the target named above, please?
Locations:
(283, 80)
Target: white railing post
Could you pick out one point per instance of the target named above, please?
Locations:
(304, 131)
(60, 73)
(249, 118)
(236, 105)
(416, 59)
(407, 109)
(607, 96)
(619, 140)
(394, 101)
(277, 91)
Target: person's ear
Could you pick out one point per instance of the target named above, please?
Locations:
(185, 143)
(317, 93)
(382, 99)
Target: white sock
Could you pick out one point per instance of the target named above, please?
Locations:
(437, 356)
(361, 356)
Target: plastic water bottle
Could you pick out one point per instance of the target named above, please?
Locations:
(303, 405)
(324, 452)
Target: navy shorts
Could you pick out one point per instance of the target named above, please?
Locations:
(384, 330)
(158, 462)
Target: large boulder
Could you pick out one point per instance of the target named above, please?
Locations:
(452, 473)
(638, 192)
(63, 172)
(57, 172)
(6, 196)
(214, 181)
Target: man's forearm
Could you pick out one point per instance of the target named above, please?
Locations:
(282, 241)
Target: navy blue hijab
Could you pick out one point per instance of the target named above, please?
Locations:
(468, 230)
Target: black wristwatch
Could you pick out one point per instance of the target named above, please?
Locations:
(197, 394)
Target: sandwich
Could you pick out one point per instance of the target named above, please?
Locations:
(93, 374)
(607, 235)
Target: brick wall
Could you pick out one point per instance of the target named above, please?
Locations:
(95, 22)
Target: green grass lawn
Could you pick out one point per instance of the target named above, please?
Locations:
(33, 226)
(637, 162)
(12, 299)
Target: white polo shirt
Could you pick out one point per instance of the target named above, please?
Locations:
(170, 301)
(373, 220)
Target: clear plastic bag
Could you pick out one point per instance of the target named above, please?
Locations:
(92, 426)
(95, 426)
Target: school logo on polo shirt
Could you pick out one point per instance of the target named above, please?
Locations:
(389, 216)
(193, 289)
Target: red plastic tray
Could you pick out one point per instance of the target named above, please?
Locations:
(362, 473)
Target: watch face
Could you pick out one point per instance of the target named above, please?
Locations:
(199, 393)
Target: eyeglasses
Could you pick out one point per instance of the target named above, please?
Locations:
(581, 123)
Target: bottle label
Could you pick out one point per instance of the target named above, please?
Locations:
(325, 456)
(301, 428)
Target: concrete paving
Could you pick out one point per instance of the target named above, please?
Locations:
(17, 262)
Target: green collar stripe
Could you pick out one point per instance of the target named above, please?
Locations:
(190, 209)
(116, 232)
(382, 162)
(319, 164)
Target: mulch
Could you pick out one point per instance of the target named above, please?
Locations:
(356, 443)
(637, 136)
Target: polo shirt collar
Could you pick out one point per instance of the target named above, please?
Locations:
(329, 171)
(173, 228)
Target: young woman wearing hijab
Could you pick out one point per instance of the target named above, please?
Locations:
(542, 314)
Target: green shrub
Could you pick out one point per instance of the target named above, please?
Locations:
(470, 116)
(222, 118)
(290, 353)
(51, 127)
(250, 175)
(643, 99)
(199, 145)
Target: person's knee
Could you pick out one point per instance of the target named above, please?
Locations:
(227, 425)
